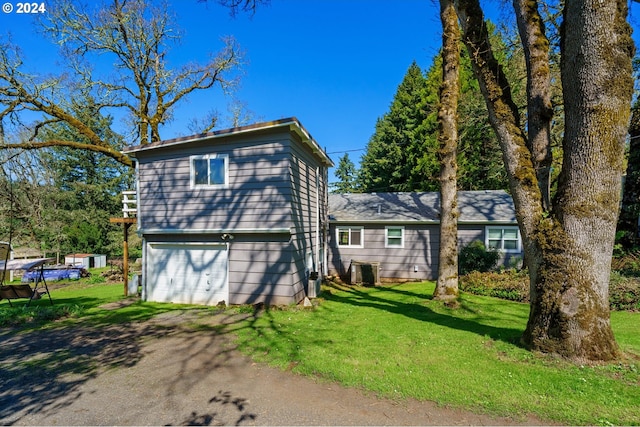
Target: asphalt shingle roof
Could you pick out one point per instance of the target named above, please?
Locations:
(475, 207)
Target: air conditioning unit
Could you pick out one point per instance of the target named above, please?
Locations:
(364, 273)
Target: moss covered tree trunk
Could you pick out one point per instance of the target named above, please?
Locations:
(447, 284)
(539, 110)
(568, 248)
(570, 309)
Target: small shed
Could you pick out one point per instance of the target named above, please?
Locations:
(86, 260)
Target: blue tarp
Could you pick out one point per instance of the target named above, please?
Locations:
(53, 275)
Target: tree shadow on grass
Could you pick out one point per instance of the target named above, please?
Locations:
(413, 305)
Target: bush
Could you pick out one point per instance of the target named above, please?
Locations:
(627, 263)
(475, 257)
(624, 292)
(511, 285)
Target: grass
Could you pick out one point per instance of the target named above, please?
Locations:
(398, 343)
(79, 300)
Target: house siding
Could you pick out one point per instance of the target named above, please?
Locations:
(420, 252)
(469, 233)
(269, 210)
(261, 270)
(417, 260)
(258, 195)
(306, 173)
(259, 266)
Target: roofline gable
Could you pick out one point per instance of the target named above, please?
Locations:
(293, 124)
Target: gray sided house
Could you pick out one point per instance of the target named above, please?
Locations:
(398, 233)
(237, 215)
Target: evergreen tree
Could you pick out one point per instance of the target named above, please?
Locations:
(402, 154)
(400, 138)
(85, 185)
(346, 172)
(628, 230)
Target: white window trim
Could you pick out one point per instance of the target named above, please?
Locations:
(347, 227)
(192, 171)
(386, 236)
(502, 228)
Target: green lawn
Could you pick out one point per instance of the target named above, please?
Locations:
(78, 301)
(398, 343)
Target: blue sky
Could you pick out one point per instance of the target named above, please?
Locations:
(333, 64)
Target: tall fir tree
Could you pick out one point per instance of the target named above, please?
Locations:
(402, 154)
(399, 139)
(346, 173)
(86, 185)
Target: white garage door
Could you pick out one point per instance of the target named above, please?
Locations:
(187, 273)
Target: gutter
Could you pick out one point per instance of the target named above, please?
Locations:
(179, 231)
(419, 222)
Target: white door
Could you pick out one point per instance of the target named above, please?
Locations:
(187, 273)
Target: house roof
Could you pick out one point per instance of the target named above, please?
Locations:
(488, 206)
(292, 123)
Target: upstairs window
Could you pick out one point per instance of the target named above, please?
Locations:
(210, 171)
(506, 239)
(394, 237)
(350, 237)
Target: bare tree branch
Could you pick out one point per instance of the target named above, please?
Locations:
(138, 35)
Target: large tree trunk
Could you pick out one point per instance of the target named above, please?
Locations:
(504, 118)
(447, 284)
(570, 307)
(539, 109)
(568, 250)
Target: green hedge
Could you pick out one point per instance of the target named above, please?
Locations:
(513, 285)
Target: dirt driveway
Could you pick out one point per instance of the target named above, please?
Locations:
(159, 372)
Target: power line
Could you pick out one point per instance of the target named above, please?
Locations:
(357, 149)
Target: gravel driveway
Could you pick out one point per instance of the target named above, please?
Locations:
(159, 372)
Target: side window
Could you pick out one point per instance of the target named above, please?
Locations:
(211, 170)
(394, 237)
(505, 239)
(350, 237)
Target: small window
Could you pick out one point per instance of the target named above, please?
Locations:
(394, 237)
(211, 170)
(505, 239)
(350, 237)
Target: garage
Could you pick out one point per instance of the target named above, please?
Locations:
(189, 273)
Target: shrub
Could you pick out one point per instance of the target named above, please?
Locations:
(475, 257)
(511, 285)
(627, 263)
(624, 292)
